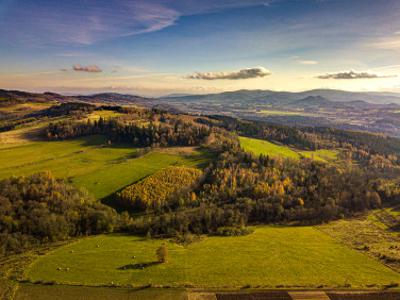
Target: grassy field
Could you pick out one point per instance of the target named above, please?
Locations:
(258, 147)
(269, 257)
(376, 234)
(324, 155)
(87, 163)
(283, 113)
(51, 292)
(105, 114)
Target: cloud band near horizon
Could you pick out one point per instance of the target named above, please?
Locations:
(248, 73)
(352, 75)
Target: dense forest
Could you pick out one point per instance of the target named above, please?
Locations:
(240, 189)
(166, 132)
(40, 208)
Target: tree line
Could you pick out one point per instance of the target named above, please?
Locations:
(171, 132)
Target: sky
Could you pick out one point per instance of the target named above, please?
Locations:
(159, 47)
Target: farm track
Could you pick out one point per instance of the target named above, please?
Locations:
(295, 295)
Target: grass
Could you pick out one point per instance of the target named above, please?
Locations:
(105, 114)
(87, 163)
(26, 107)
(283, 113)
(372, 234)
(323, 155)
(270, 257)
(51, 292)
(258, 147)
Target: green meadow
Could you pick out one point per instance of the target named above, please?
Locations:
(272, 256)
(65, 292)
(88, 163)
(257, 147)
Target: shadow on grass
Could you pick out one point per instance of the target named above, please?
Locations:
(139, 266)
(395, 228)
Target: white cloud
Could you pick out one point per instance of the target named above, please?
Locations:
(235, 75)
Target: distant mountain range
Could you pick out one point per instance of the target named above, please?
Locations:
(276, 97)
(369, 111)
(322, 96)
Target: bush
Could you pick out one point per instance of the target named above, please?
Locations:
(233, 231)
(162, 254)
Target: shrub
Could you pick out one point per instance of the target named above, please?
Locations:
(233, 231)
(162, 254)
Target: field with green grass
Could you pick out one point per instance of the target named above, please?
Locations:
(257, 147)
(88, 163)
(324, 155)
(51, 292)
(272, 256)
(374, 233)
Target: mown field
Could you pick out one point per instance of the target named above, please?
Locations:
(258, 147)
(88, 163)
(269, 257)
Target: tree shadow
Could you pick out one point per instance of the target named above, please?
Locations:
(139, 266)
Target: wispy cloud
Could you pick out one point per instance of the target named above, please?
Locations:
(241, 74)
(90, 21)
(89, 69)
(307, 62)
(387, 44)
(352, 75)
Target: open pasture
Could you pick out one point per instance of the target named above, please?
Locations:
(270, 257)
(89, 163)
(257, 147)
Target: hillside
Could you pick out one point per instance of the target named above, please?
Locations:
(221, 193)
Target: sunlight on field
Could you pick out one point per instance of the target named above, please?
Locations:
(88, 163)
(258, 147)
(271, 256)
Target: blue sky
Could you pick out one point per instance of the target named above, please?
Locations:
(155, 47)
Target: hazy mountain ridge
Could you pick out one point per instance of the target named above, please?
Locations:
(373, 112)
(273, 97)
